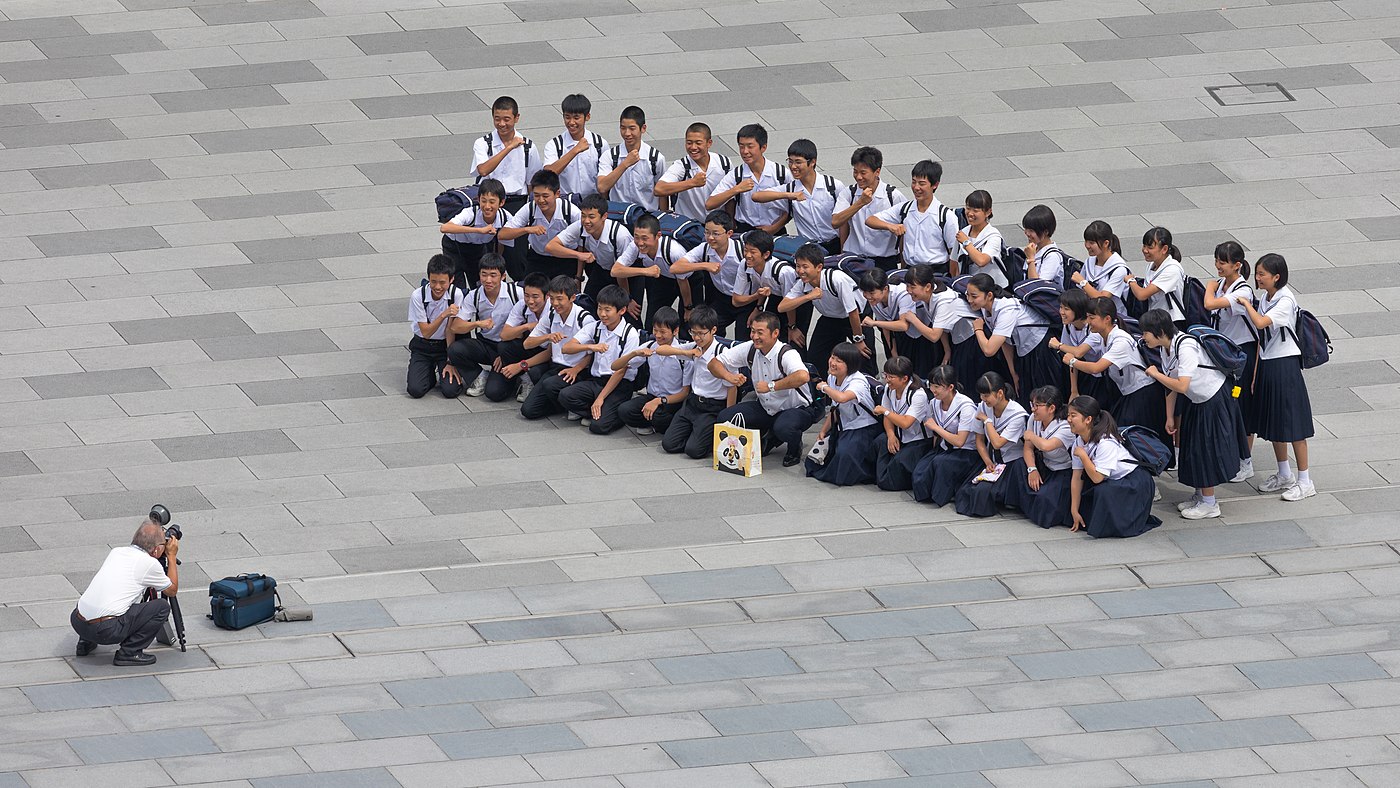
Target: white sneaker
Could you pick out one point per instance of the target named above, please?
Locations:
(1245, 472)
(644, 430)
(478, 386)
(571, 416)
(585, 422)
(1276, 483)
(1202, 511)
(526, 386)
(1299, 491)
(1156, 494)
(1189, 502)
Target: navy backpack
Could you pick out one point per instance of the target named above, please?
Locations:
(1147, 449)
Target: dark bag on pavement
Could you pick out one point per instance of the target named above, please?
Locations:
(243, 601)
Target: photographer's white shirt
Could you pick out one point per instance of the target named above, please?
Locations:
(124, 576)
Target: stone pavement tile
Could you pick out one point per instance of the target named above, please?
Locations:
(134, 773)
(1311, 670)
(1256, 536)
(1094, 746)
(601, 761)
(1342, 640)
(1301, 588)
(953, 758)
(774, 634)
(87, 695)
(739, 748)
(1202, 571)
(1337, 753)
(718, 584)
(545, 627)
(457, 689)
(371, 753)
(1045, 694)
(141, 746)
(231, 681)
(731, 665)
(1216, 651)
(649, 535)
(940, 593)
(1085, 662)
(1159, 601)
(571, 679)
(1276, 618)
(1185, 766)
(842, 768)
(992, 642)
(490, 577)
(899, 623)
(362, 668)
(1283, 701)
(508, 741)
(262, 764)
(1005, 725)
(352, 778)
(684, 697)
(1025, 612)
(953, 673)
(1139, 714)
(803, 605)
(1235, 733)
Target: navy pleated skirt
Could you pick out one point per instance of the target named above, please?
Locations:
(1119, 507)
(924, 355)
(1282, 411)
(971, 363)
(1211, 433)
(1146, 407)
(1047, 507)
(983, 499)
(1248, 383)
(1099, 387)
(938, 475)
(896, 471)
(848, 462)
(1041, 367)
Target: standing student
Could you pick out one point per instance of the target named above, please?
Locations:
(1042, 492)
(1207, 426)
(951, 421)
(783, 409)
(839, 307)
(1141, 400)
(763, 281)
(1166, 277)
(925, 229)
(905, 440)
(477, 327)
(515, 369)
(668, 377)
(574, 155)
(862, 200)
(1232, 319)
(540, 222)
(510, 158)
(811, 197)
(1001, 425)
(980, 245)
(1282, 410)
(1110, 493)
(1104, 268)
(561, 322)
(1044, 258)
(692, 429)
(944, 321)
(473, 232)
(850, 424)
(1075, 332)
(753, 173)
(690, 180)
(596, 243)
(628, 172)
(1014, 329)
(597, 397)
(713, 267)
(891, 311)
(431, 308)
(660, 252)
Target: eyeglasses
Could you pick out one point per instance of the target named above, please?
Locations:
(796, 160)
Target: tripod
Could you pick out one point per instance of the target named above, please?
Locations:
(174, 628)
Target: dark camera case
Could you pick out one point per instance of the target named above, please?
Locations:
(242, 601)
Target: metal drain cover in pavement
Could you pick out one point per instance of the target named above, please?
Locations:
(1254, 93)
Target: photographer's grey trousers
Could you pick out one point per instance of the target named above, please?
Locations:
(134, 629)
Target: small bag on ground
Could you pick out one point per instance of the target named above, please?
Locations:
(243, 601)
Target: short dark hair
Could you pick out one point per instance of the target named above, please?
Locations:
(506, 103)
(634, 112)
(1276, 265)
(546, 178)
(849, 355)
(566, 285)
(536, 280)
(803, 148)
(493, 187)
(768, 320)
(1040, 220)
(812, 253)
(991, 382)
(703, 316)
(576, 104)
(981, 199)
(666, 317)
(492, 261)
(1158, 322)
(615, 297)
(699, 128)
(760, 240)
(1052, 396)
(595, 202)
(647, 222)
(870, 157)
(755, 132)
(872, 280)
(929, 170)
(1076, 301)
(721, 218)
(440, 264)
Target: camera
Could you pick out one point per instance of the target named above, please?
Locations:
(161, 516)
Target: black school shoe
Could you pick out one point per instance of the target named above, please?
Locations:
(134, 659)
(85, 647)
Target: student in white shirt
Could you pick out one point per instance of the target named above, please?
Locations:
(713, 267)
(981, 249)
(752, 174)
(656, 253)
(1044, 258)
(628, 172)
(478, 325)
(1282, 409)
(540, 222)
(1230, 318)
(668, 377)
(811, 197)
(574, 155)
(862, 200)
(1165, 283)
(110, 610)
(944, 320)
(784, 408)
(1110, 494)
(596, 398)
(1077, 334)
(952, 422)
(839, 306)
(892, 312)
(596, 243)
(904, 439)
(759, 286)
(1018, 334)
(1141, 400)
(515, 369)
(431, 308)
(1001, 424)
(692, 429)
(511, 158)
(1105, 267)
(926, 230)
(688, 182)
(1042, 492)
(474, 232)
(562, 321)
(851, 424)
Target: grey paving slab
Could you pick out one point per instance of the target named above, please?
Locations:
(1311, 670)
(304, 248)
(954, 758)
(544, 627)
(1255, 732)
(717, 584)
(96, 694)
(508, 741)
(736, 749)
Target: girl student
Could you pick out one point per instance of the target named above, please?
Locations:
(1001, 423)
(941, 317)
(1104, 268)
(905, 439)
(1232, 319)
(1165, 283)
(1140, 400)
(890, 309)
(1042, 492)
(981, 243)
(1282, 411)
(1076, 333)
(1109, 493)
(850, 425)
(1044, 258)
(1207, 426)
(1013, 325)
(951, 421)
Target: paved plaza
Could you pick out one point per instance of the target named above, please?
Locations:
(212, 215)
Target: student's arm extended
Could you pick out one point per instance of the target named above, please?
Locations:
(790, 303)
(509, 333)
(719, 198)
(745, 300)
(1076, 492)
(626, 358)
(1076, 363)
(1260, 320)
(927, 332)
(560, 164)
(1173, 385)
(836, 395)
(511, 233)
(990, 345)
(774, 196)
(899, 325)
(607, 182)
(556, 248)
(841, 218)
(489, 166)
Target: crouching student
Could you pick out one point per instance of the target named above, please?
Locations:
(655, 251)
(850, 424)
(1018, 335)
(1140, 400)
(594, 399)
(892, 313)
(905, 440)
(839, 306)
(939, 474)
(1001, 422)
(761, 283)
(1042, 492)
(784, 408)
(430, 310)
(692, 429)
(473, 232)
(1109, 493)
(668, 376)
(713, 266)
(1079, 339)
(562, 321)
(540, 222)
(478, 325)
(513, 370)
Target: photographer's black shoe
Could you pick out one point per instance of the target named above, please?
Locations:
(134, 659)
(791, 460)
(86, 647)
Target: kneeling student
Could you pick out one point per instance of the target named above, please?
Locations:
(511, 370)
(905, 439)
(692, 429)
(1117, 498)
(851, 423)
(1002, 422)
(668, 376)
(430, 309)
(484, 314)
(1042, 492)
(563, 320)
(595, 398)
(939, 474)
(473, 232)
(783, 409)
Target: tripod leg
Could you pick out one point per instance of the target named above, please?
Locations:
(178, 619)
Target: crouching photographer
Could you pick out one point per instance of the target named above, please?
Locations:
(111, 610)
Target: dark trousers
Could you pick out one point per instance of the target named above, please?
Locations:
(500, 388)
(515, 253)
(659, 292)
(426, 359)
(692, 429)
(134, 629)
(544, 264)
(631, 413)
(544, 397)
(728, 313)
(466, 261)
(801, 316)
(467, 354)
(598, 278)
(831, 245)
(888, 264)
(785, 427)
(579, 398)
(830, 332)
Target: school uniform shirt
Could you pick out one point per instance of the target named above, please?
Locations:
(778, 276)
(1185, 357)
(516, 169)
(812, 216)
(926, 241)
(897, 304)
(667, 375)
(730, 263)
(1075, 337)
(1170, 278)
(668, 252)
(581, 175)
(691, 202)
(520, 314)
(773, 177)
(780, 361)
(1055, 459)
(471, 216)
(959, 416)
(479, 307)
(1108, 276)
(840, 294)
(1278, 341)
(1011, 425)
(1124, 362)
(635, 185)
(1109, 456)
(863, 240)
(569, 326)
(1234, 321)
(1050, 263)
(530, 215)
(988, 242)
(614, 244)
(621, 340)
(950, 312)
(914, 402)
(854, 414)
(702, 382)
(1022, 328)
(418, 313)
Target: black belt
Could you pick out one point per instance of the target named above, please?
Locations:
(98, 620)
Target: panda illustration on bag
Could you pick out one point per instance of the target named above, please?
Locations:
(730, 452)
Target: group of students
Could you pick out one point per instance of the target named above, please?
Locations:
(647, 348)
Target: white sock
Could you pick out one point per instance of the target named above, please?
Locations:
(1208, 500)
(1303, 477)
(1247, 465)
(1285, 470)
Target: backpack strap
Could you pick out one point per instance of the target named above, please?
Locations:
(655, 155)
(723, 162)
(889, 193)
(830, 186)
(616, 155)
(685, 167)
(612, 239)
(559, 146)
(597, 144)
(780, 172)
(489, 145)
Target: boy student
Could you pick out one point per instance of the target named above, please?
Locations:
(668, 377)
(514, 363)
(692, 429)
(631, 175)
(596, 239)
(574, 155)
(510, 158)
(483, 313)
(690, 180)
(562, 321)
(761, 284)
(925, 229)
(472, 233)
(753, 174)
(660, 252)
(596, 397)
(718, 259)
(784, 408)
(430, 309)
(811, 196)
(839, 304)
(868, 196)
(545, 217)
